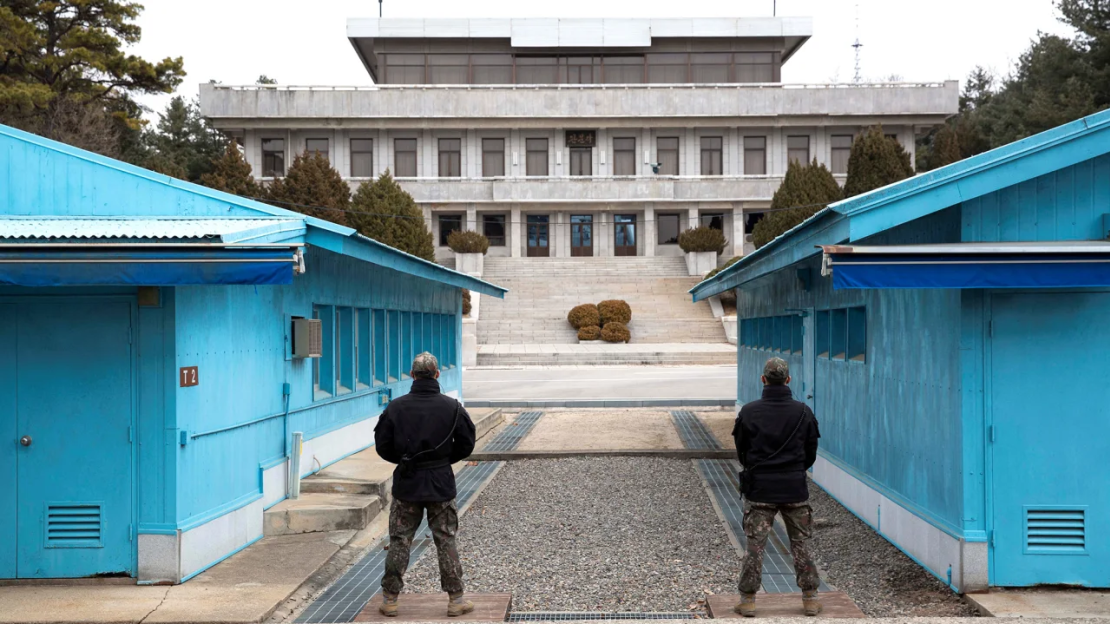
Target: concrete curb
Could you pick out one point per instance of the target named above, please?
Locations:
(542, 403)
(663, 453)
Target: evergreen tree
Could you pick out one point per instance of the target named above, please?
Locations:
(66, 74)
(875, 161)
(383, 211)
(183, 144)
(804, 190)
(946, 147)
(312, 187)
(231, 173)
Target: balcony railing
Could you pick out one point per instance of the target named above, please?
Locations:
(383, 105)
(588, 189)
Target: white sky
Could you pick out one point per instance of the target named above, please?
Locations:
(304, 43)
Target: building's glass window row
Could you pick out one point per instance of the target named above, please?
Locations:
(502, 68)
(775, 334)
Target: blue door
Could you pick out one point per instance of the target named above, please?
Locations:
(9, 445)
(1050, 410)
(71, 439)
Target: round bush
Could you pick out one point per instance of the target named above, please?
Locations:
(585, 315)
(466, 302)
(461, 241)
(591, 332)
(615, 332)
(702, 238)
(731, 262)
(614, 311)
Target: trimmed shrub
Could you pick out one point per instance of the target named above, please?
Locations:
(585, 315)
(614, 311)
(731, 262)
(590, 332)
(876, 160)
(615, 332)
(702, 238)
(461, 241)
(466, 302)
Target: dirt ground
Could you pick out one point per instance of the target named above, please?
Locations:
(720, 424)
(602, 429)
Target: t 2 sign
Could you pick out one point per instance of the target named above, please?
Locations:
(188, 376)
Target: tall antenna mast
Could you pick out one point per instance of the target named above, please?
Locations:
(857, 45)
(379, 8)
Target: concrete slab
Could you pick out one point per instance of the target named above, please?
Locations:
(314, 513)
(433, 608)
(97, 604)
(720, 425)
(1043, 603)
(603, 429)
(834, 605)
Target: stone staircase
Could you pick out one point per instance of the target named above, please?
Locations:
(543, 290)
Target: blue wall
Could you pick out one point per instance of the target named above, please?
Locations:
(894, 419)
(236, 336)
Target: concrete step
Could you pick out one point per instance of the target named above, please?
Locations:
(313, 513)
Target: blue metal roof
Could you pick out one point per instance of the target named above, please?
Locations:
(890, 206)
(225, 230)
(93, 185)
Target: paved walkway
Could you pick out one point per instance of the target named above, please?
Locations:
(600, 383)
(607, 348)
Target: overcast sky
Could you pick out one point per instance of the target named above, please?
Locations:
(302, 42)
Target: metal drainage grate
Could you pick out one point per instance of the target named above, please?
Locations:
(693, 432)
(511, 435)
(571, 616)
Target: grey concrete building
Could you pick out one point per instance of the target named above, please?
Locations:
(575, 137)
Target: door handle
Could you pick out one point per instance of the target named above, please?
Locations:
(25, 440)
(809, 396)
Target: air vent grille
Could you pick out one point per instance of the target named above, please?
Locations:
(308, 338)
(73, 525)
(1055, 530)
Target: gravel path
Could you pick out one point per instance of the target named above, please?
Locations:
(879, 578)
(593, 534)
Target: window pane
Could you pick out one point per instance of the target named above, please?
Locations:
(711, 156)
(406, 355)
(581, 161)
(404, 69)
(821, 334)
(448, 224)
(493, 157)
(404, 157)
(755, 67)
(796, 338)
(838, 333)
(447, 68)
(857, 334)
(537, 70)
(344, 350)
(667, 68)
(273, 158)
(841, 151)
(491, 68)
(755, 155)
(797, 149)
(668, 229)
(394, 342)
(380, 348)
(713, 220)
(326, 362)
(624, 156)
(536, 158)
(364, 356)
(624, 69)
(362, 158)
(667, 155)
(493, 227)
(316, 146)
(450, 158)
(710, 67)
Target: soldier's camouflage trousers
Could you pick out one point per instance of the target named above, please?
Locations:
(759, 518)
(443, 521)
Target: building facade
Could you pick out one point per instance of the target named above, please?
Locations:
(150, 383)
(948, 330)
(575, 137)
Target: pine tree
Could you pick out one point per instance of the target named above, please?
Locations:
(231, 173)
(876, 160)
(183, 144)
(946, 147)
(383, 211)
(804, 190)
(312, 187)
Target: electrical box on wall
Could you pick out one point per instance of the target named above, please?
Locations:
(308, 339)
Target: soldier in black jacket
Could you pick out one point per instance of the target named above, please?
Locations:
(424, 432)
(776, 442)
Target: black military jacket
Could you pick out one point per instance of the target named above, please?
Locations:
(762, 427)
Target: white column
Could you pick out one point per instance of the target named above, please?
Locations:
(692, 222)
(516, 229)
(737, 229)
(650, 229)
(471, 218)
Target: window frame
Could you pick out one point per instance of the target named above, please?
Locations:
(408, 153)
(712, 158)
(585, 156)
(445, 232)
(839, 154)
(495, 240)
(659, 217)
(380, 366)
(838, 334)
(487, 152)
(528, 151)
(273, 155)
(821, 344)
(367, 153)
(394, 342)
(453, 155)
(344, 350)
(323, 372)
(624, 152)
(856, 350)
(677, 150)
(326, 152)
(791, 151)
(364, 354)
(749, 150)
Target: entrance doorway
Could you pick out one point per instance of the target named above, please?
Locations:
(624, 235)
(581, 235)
(65, 415)
(538, 236)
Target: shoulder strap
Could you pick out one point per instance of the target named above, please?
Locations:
(790, 437)
(450, 434)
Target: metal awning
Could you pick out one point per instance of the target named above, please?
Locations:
(1050, 264)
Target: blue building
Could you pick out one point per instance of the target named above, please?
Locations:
(150, 377)
(950, 331)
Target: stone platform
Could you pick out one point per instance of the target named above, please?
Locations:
(835, 605)
(433, 608)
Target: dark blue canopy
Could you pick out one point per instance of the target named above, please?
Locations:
(27, 266)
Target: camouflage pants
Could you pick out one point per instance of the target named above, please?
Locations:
(404, 519)
(759, 518)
